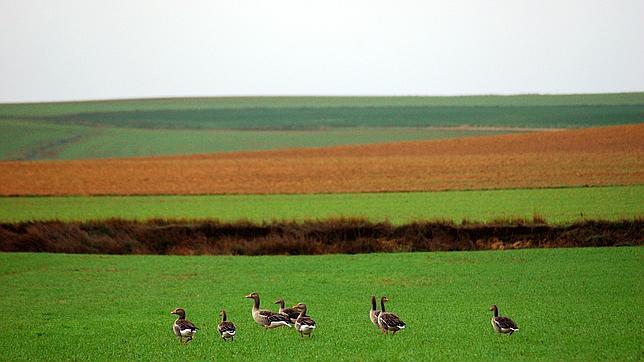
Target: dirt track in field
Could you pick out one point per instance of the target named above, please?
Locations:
(596, 156)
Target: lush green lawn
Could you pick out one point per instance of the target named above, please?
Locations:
(562, 205)
(581, 304)
(41, 140)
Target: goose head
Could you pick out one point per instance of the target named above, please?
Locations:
(252, 295)
(180, 312)
(301, 307)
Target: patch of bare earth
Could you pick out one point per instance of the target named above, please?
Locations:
(595, 156)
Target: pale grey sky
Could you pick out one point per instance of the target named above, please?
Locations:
(90, 49)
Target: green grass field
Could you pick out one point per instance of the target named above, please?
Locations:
(583, 304)
(563, 205)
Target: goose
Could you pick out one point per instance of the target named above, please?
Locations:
(304, 324)
(267, 318)
(502, 324)
(388, 321)
(226, 328)
(291, 313)
(183, 328)
(373, 314)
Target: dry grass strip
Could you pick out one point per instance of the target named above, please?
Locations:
(311, 237)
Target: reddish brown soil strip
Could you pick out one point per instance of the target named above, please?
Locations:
(495, 128)
(321, 237)
(596, 156)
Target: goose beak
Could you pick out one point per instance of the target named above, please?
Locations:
(249, 295)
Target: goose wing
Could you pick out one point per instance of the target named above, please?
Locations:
(291, 313)
(226, 327)
(306, 321)
(186, 324)
(268, 317)
(390, 320)
(277, 317)
(505, 323)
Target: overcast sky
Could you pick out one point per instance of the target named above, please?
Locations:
(85, 49)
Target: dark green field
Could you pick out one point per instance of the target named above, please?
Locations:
(581, 304)
(358, 116)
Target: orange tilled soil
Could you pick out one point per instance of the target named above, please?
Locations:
(596, 156)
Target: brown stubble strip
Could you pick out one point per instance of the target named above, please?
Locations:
(596, 156)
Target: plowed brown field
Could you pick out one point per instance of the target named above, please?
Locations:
(596, 156)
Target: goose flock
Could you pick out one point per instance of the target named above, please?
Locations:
(297, 316)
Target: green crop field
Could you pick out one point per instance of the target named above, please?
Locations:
(357, 116)
(563, 205)
(139, 127)
(26, 140)
(583, 304)
(318, 118)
